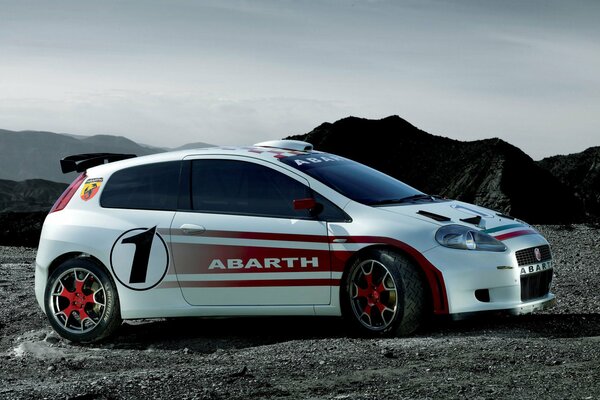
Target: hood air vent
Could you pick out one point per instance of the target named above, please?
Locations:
(436, 217)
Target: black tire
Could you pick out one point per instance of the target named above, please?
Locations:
(81, 301)
(383, 293)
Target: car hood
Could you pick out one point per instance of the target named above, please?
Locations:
(457, 212)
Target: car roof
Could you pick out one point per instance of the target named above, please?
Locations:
(260, 151)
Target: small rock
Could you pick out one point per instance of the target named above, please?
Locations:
(241, 372)
(387, 353)
(52, 339)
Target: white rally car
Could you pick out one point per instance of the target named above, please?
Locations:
(273, 229)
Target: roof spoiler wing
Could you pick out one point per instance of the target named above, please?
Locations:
(81, 162)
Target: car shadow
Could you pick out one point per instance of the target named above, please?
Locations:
(207, 335)
(539, 325)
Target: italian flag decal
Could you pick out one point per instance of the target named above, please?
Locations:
(505, 232)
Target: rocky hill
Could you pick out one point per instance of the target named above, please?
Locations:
(29, 196)
(23, 207)
(35, 155)
(581, 173)
(21, 228)
(490, 172)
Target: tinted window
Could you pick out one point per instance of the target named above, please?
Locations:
(238, 187)
(148, 187)
(354, 180)
(330, 212)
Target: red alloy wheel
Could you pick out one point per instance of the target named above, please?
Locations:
(373, 295)
(78, 300)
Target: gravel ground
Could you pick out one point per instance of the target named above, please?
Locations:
(551, 355)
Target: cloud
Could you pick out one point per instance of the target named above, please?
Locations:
(171, 120)
(170, 72)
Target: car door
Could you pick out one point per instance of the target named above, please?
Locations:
(139, 204)
(241, 242)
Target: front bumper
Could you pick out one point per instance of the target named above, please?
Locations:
(480, 281)
(528, 308)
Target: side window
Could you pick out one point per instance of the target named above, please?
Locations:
(238, 187)
(330, 212)
(148, 187)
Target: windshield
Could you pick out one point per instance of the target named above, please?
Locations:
(354, 180)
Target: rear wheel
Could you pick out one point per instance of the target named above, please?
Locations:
(384, 293)
(81, 301)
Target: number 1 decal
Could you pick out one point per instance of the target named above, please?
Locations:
(139, 258)
(143, 244)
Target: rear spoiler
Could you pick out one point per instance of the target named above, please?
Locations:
(81, 162)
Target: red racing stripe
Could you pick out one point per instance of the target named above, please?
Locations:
(196, 258)
(338, 261)
(433, 275)
(261, 283)
(288, 237)
(168, 285)
(514, 234)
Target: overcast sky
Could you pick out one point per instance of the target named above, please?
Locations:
(237, 72)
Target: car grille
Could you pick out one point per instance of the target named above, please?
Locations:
(536, 285)
(527, 256)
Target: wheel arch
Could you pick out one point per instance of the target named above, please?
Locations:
(109, 316)
(432, 277)
(58, 261)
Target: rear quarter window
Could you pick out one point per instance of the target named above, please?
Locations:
(146, 187)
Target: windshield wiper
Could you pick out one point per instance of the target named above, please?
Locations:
(420, 196)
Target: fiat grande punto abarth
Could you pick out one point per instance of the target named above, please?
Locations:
(273, 229)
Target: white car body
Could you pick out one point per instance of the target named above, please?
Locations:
(212, 264)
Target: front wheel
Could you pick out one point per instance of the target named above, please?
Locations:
(384, 293)
(81, 301)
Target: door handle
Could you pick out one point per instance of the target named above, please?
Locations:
(191, 229)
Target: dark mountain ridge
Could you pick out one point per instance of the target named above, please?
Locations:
(35, 154)
(29, 195)
(489, 172)
(581, 173)
(23, 207)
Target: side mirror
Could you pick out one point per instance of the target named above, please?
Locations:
(309, 204)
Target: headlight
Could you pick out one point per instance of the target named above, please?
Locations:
(462, 237)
